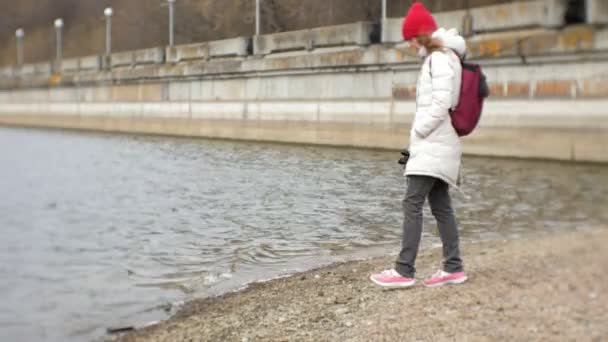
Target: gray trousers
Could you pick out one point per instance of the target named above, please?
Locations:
(418, 189)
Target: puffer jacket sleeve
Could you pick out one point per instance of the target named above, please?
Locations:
(442, 76)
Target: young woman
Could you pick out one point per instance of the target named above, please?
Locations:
(435, 151)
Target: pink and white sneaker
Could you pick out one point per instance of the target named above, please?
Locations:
(441, 278)
(390, 278)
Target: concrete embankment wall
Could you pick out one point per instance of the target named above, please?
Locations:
(332, 86)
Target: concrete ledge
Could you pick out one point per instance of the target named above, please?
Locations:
(42, 69)
(121, 59)
(138, 57)
(391, 29)
(279, 42)
(90, 63)
(601, 40)
(510, 16)
(188, 52)
(8, 72)
(589, 145)
(515, 60)
(452, 19)
(339, 35)
(520, 14)
(342, 35)
(573, 75)
(572, 39)
(71, 65)
(505, 44)
(149, 56)
(537, 42)
(597, 11)
(516, 114)
(236, 47)
(574, 44)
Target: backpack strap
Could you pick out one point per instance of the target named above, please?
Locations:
(431, 59)
(431, 66)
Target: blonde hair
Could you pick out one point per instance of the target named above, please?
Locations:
(431, 45)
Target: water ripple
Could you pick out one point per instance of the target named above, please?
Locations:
(104, 230)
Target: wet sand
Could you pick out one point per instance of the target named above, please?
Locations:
(549, 287)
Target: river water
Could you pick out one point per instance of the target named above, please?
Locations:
(100, 230)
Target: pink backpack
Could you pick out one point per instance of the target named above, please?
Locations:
(473, 90)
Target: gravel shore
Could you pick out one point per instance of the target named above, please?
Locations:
(550, 287)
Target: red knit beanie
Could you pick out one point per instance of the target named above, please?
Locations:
(418, 21)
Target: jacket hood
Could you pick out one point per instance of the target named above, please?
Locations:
(451, 39)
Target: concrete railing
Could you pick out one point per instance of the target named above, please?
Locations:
(36, 69)
(7, 72)
(236, 47)
(601, 40)
(339, 35)
(538, 42)
(75, 65)
(121, 59)
(539, 13)
(138, 57)
(549, 108)
(342, 35)
(70, 65)
(517, 16)
(597, 11)
(90, 63)
(535, 45)
(510, 16)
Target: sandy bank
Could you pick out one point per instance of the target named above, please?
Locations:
(553, 287)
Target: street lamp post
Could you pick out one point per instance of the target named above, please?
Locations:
(171, 21)
(467, 21)
(59, 41)
(257, 17)
(108, 14)
(383, 24)
(19, 34)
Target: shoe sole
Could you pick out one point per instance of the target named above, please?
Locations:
(394, 285)
(447, 282)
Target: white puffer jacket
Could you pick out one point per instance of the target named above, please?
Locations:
(435, 148)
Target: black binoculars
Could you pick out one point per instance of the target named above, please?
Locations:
(406, 155)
